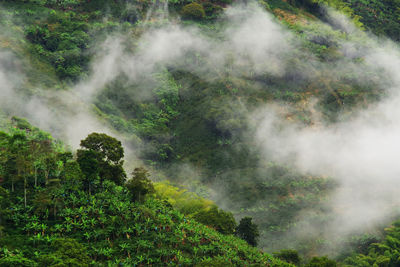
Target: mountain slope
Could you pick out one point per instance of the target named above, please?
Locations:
(192, 116)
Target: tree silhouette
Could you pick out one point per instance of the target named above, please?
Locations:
(248, 231)
(109, 154)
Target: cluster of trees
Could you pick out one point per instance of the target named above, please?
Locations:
(61, 210)
(381, 17)
(204, 10)
(62, 32)
(378, 253)
(187, 118)
(64, 41)
(31, 160)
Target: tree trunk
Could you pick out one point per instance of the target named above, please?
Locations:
(46, 177)
(25, 191)
(55, 212)
(35, 177)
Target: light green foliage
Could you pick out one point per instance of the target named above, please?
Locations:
(185, 201)
(218, 219)
(63, 3)
(344, 7)
(14, 259)
(193, 11)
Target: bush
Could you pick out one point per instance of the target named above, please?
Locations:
(220, 220)
(193, 11)
(211, 9)
(321, 262)
(69, 252)
(289, 255)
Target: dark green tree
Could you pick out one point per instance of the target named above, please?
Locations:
(289, 255)
(68, 253)
(140, 185)
(23, 160)
(3, 155)
(4, 204)
(72, 176)
(109, 154)
(248, 231)
(89, 165)
(221, 220)
(321, 262)
(15, 259)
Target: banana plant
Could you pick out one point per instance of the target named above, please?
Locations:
(87, 235)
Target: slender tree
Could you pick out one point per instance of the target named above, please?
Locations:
(140, 185)
(89, 165)
(20, 150)
(248, 231)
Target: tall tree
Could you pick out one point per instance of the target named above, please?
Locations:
(23, 159)
(89, 165)
(248, 231)
(109, 154)
(140, 185)
(4, 138)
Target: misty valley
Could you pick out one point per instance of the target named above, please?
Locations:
(199, 133)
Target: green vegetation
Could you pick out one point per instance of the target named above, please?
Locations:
(383, 253)
(248, 231)
(193, 11)
(105, 154)
(54, 214)
(83, 209)
(289, 255)
(381, 17)
(140, 185)
(321, 262)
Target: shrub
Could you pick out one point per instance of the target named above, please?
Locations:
(289, 255)
(211, 9)
(221, 220)
(193, 11)
(321, 262)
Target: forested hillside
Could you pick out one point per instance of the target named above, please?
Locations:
(57, 211)
(280, 111)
